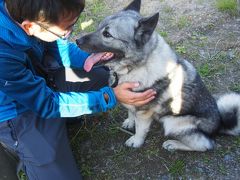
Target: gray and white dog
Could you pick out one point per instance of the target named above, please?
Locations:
(188, 112)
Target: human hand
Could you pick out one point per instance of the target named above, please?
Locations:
(124, 94)
(95, 58)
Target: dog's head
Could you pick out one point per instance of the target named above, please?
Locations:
(124, 33)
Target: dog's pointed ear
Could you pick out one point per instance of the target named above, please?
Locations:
(145, 28)
(134, 5)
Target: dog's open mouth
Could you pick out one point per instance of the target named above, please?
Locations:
(97, 58)
(94, 49)
(99, 54)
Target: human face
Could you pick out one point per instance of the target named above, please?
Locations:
(53, 32)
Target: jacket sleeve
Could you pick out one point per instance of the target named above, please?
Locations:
(19, 83)
(66, 53)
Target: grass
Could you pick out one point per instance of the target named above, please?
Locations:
(206, 160)
(164, 34)
(236, 141)
(22, 175)
(86, 170)
(204, 70)
(229, 6)
(181, 49)
(177, 168)
(120, 154)
(168, 9)
(222, 169)
(152, 152)
(235, 87)
(182, 22)
(91, 16)
(208, 70)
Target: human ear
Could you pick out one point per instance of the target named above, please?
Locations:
(29, 27)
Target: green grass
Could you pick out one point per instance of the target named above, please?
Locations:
(229, 6)
(120, 154)
(22, 175)
(181, 49)
(236, 141)
(222, 169)
(164, 34)
(114, 113)
(183, 22)
(204, 70)
(86, 170)
(152, 152)
(94, 12)
(113, 130)
(206, 160)
(177, 168)
(208, 70)
(168, 9)
(235, 87)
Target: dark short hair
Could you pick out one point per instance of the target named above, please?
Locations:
(48, 11)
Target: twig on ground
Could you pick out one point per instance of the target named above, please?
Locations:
(164, 163)
(76, 134)
(126, 131)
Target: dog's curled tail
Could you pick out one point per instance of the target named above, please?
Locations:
(229, 108)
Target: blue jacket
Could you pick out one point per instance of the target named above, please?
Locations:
(21, 90)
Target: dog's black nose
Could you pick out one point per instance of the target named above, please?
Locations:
(79, 41)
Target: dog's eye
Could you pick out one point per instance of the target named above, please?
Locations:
(107, 34)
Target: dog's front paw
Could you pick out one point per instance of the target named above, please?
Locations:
(134, 141)
(170, 145)
(128, 124)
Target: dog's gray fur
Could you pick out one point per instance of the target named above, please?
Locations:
(183, 104)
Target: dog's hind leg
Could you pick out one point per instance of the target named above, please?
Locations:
(195, 142)
(142, 125)
(130, 121)
(172, 145)
(185, 130)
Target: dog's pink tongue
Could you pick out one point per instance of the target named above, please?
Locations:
(90, 61)
(95, 58)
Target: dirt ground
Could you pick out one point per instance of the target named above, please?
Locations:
(211, 41)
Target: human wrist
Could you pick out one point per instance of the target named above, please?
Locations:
(106, 97)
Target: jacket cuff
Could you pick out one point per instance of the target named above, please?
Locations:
(112, 101)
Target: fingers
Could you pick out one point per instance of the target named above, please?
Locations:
(124, 94)
(140, 96)
(144, 95)
(141, 103)
(139, 99)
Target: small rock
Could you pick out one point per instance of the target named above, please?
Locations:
(112, 148)
(227, 157)
(230, 55)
